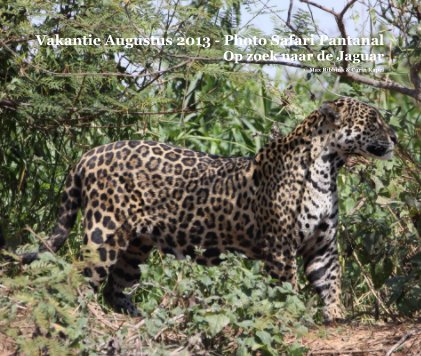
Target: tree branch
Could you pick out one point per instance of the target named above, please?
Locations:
(244, 61)
(288, 22)
(401, 341)
(414, 71)
(8, 104)
(383, 84)
(105, 74)
(291, 3)
(321, 7)
(347, 6)
(339, 18)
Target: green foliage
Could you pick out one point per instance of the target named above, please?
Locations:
(380, 226)
(44, 299)
(229, 308)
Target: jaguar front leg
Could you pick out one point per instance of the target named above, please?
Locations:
(282, 265)
(321, 265)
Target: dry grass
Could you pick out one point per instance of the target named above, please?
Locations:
(361, 340)
(346, 339)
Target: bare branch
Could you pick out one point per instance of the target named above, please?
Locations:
(291, 3)
(342, 30)
(390, 85)
(347, 6)
(339, 18)
(288, 22)
(321, 7)
(401, 341)
(9, 104)
(256, 14)
(414, 75)
(383, 84)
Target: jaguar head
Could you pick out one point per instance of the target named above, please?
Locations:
(360, 129)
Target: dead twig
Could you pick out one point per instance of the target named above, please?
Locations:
(102, 320)
(342, 352)
(369, 282)
(401, 341)
(372, 289)
(42, 240)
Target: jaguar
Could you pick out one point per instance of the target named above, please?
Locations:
(280, 204)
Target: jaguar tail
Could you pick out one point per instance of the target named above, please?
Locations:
(71, 200)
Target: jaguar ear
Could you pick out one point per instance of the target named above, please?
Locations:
(330, 111)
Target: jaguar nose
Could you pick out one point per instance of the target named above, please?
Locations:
(393, 137)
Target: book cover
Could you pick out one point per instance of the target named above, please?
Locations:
(203, 128)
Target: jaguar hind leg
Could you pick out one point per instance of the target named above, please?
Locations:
(126, 273)
(103, 252)
(113, 253)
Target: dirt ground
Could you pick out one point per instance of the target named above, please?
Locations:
(361, 340)
(344, 340)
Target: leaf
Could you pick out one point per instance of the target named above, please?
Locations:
(378, 184)
(264, 337)
(216, 322)
(382, 272)
(416, 260)
(294, 305)
(349, 204)
(382, 200)
(206, 281)
(245, 324)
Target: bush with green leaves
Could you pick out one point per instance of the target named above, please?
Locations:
(41, 308)
(233, 308)
(233, 301)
